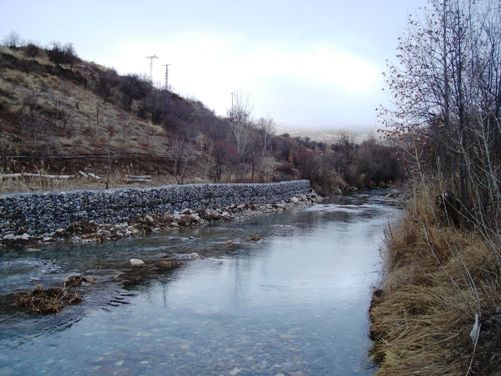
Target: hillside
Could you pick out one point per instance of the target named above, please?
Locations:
(51, 110)
(60, 114)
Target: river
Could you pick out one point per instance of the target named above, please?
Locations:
(293, 303)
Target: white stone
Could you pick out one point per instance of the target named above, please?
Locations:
(235, 371)
(136, 262)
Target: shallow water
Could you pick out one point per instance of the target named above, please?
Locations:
(293, 303)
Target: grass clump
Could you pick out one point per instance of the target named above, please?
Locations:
(45, 301)
(438, 277)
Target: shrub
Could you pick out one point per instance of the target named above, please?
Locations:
(155, 106)
(377, 163)
(286, 169)
(31, 50)
(132, 88)
(12, 40)
(62, 54)
(106, 81)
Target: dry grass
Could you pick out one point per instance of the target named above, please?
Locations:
(117, 180)
(438, 277)
(45, 301)
(80, 130)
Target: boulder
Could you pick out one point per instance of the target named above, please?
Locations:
(195, 218)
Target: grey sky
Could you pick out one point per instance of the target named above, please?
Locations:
(311, 63)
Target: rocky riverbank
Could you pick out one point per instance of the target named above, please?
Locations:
(40, 213)
(84, 231)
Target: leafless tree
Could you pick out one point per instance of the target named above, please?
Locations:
(12, 40)
(243, 131)
(447, 90)
(182, 153)
(111, 131)
(346, 140)
(206, 146)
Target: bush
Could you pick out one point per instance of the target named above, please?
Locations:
(154, 106)
(106, 81)
(62, 54)
(31, 50)
(132, 88)
(286, 170)
(12, 40)
(377, 163)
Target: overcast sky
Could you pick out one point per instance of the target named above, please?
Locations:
(313, 63)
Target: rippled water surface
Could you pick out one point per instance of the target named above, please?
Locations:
(294, 303)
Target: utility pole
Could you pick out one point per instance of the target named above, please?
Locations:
(166, 76)
(151, 66)
(232, 94)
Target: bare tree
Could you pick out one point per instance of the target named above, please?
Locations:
(13, 40)
(260, 143)
(266, 127)
(447, 90)
(206, 148)
(346, 140)
(111, 131)
(243, 131)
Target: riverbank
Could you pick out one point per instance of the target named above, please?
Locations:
(437, 279)
(85, 231)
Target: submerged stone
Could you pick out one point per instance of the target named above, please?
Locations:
(136, 262)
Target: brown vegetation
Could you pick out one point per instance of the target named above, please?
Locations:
(438, 312)
(438, 277)
(44, 301)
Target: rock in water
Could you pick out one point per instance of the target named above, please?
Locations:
(184, 256)
(136, 262)
(235, 371)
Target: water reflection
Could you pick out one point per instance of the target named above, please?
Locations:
(294, 303)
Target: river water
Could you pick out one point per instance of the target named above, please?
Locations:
(293, 303)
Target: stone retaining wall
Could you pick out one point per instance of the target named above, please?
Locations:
(38, 213)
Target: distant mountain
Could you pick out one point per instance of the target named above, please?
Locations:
(329, 136)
